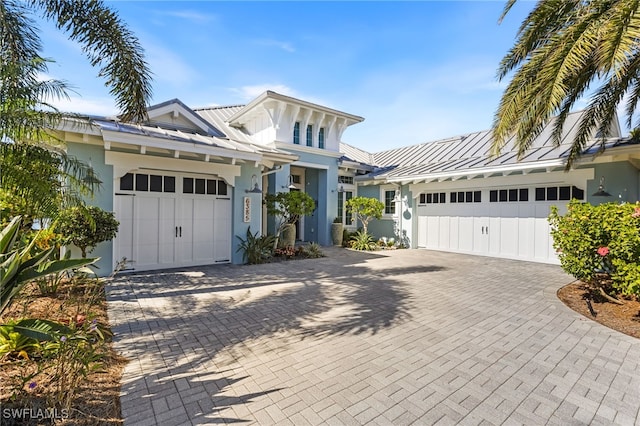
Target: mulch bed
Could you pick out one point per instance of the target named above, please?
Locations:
(623, 318)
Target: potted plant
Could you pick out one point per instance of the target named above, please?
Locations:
(288, 208)
(336, 232)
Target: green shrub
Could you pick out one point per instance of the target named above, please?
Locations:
(86, 227)
(600, 239)
(361, 240)
(256, 249)
(312, 251)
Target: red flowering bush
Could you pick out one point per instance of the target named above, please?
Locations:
(600, 239)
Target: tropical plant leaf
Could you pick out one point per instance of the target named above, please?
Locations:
(41, 330)
(9, 234)
(51, 267)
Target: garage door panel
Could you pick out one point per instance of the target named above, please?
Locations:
(123, 243)
(465, 234)
(422, 231)
(454, 232)
(509, 236)
(433, 231)
(444, 236)
(222, 233)
(148, 227)
(167, 231)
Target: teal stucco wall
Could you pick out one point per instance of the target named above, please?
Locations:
(239, 226)
(103, 198)
(621, 181)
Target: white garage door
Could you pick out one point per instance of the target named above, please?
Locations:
(507, 222)
(171, 221)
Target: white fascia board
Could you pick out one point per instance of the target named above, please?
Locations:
(307, 149)
(248, 108)
(76, 125)
(310, 165)
(485, 171)
(152, 142)
(124, 162)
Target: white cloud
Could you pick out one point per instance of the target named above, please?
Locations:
(189, 15)
(90, 106)
(283, 45)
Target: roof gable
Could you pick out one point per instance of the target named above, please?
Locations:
(175, 115)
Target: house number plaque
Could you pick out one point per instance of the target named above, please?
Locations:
(247, 209)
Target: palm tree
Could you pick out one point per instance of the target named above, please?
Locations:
(562, 48)
(105, 40)
(37, 179)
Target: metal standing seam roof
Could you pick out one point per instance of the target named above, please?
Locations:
(181, 136)
(473, 151)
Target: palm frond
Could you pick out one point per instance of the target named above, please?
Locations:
(107, 42)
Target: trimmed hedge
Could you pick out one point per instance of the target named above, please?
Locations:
(600, 239)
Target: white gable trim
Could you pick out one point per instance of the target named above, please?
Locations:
(176, 108)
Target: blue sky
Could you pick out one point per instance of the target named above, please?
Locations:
(416, 71)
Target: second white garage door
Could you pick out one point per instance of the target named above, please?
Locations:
(507, 223)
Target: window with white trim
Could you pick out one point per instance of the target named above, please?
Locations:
(296, 133)
(389, 202)
(309, 134)
(321, 138)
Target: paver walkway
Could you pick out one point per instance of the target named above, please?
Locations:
(397, 337)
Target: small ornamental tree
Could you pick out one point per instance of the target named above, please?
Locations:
(288, 208)
(365, 209)
(600, 240)
(86, 227)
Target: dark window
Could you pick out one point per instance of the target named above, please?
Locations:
(468, 197)
(540, 194)
(461, 197)
(200, 186)
(296, 133)
(429, 198)
(155, 183)
(211, 186)
(423, 198)
(524, 194)
(142, 182)
(222, 187)
(126, 182)
(443, 197)
(436, 199)
(552, 193)
(565, 192)
(577, 193)
(389, 203)
(503, 195)
(453, 197)
(493, 196)
(477, 196)
(513, 195)
(187, 185)
(169, 184)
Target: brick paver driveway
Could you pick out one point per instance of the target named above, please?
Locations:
(398, 337)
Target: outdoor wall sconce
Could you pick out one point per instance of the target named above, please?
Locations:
(254, 184)
(291, 185)
(340, 189)
(601, 192)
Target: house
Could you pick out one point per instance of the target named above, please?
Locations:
(186, 182)
(452, 195)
